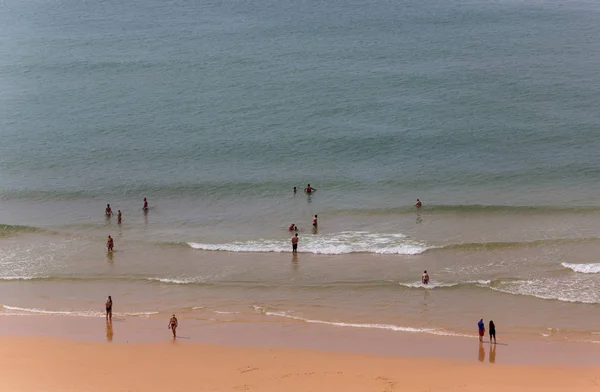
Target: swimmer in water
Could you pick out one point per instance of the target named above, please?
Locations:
(292, 227)
(110, 244)
(295, 190)
(418, 204)
(145, 207)
(108, 211)
(425, 278)
(119, 216)
(309, 189)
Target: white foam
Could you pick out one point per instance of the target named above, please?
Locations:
(388, 327)
(178, 280)
(583, 268)
(565, 290)
(79, 313)
(21, 277)
(430, 286)
(220, 312)
(331, 244)
(433, 284)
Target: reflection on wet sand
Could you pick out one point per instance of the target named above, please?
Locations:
(109, 331)
(492, 353)
(481, 356)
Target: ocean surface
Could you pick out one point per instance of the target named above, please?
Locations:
(487, 111)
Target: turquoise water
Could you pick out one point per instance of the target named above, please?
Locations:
(375, 103)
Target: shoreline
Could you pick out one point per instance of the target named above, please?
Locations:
(293, 336)
(184, 365)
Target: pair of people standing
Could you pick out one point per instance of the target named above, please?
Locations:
(308, 190)
(491, 331)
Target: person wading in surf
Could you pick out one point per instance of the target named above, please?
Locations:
(109, 304)
(295, 243)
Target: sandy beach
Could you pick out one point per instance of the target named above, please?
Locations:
(87, 354)
(64, 365)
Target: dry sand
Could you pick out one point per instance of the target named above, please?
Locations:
(50, 364)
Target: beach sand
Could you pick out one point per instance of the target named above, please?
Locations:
(34, 363)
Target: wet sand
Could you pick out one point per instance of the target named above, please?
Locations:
(292, 335)
(183, 365)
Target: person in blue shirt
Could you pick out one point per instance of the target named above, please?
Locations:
(481, 327)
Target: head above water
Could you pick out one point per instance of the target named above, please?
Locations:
(109, 298)
(425, 271)
(296, 234)
(108, 205)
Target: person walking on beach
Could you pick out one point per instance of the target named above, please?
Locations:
(145, 207)
(295, 243)
(109, 309)
(425, 277)
(173, 325)
(110, 244)
(418, 204)
(108, 211)
(492, 331)
(119, 216)
(481, 327)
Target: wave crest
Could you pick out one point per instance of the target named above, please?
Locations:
(332, 244)
(583, 268)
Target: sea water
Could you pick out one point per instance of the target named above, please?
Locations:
(486, 111)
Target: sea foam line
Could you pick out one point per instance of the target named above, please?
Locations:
(388, 327)
(79, 313)
(332, 244)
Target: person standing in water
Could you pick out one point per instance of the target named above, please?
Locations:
(309, 189)
(109, 304)
(295, 240)
(110, 244)
(418, 204)
(173, 324)
(119, 216)
(108, 211)
(481, 327)
(492, 331)
(315, 223)
(295, 190)
(425, 277)
(145, 207)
